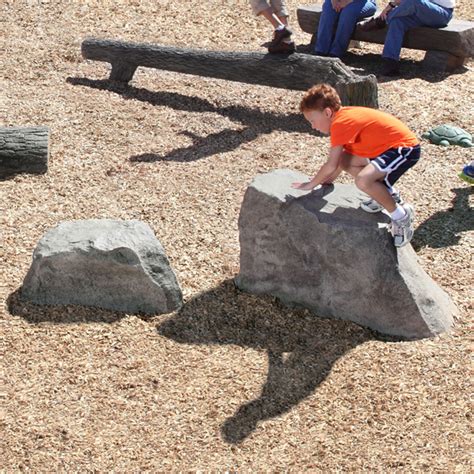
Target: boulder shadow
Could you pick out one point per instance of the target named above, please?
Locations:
(59, 314)
(442, 229)
(301, 347)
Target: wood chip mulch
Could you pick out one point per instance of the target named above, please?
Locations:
(233, 382)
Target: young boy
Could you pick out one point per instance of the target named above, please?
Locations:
(373, 146)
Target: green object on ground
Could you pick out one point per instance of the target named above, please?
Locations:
(467, 174)
(449, 135)
(466, 178)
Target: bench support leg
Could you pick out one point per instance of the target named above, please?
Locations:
(441, 61)
(122, 71)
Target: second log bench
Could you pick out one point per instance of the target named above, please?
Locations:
(446, 48)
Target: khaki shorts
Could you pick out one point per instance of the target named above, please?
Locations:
(279, 7)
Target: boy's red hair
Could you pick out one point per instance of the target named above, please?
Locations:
(320, 97)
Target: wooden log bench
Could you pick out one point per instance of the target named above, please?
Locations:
(23, 150)
(446, 48)
(294, 71)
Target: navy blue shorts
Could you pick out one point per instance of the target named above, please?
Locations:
(395, 161)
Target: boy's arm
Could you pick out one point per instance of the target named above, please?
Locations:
(326, 173)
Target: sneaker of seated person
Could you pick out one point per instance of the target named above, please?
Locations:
(285, 47)
(402, 229)
(391, 67)
(372, 24)
(372, 206)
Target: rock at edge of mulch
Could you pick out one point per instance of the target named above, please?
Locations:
(111, 264)
(319, 250)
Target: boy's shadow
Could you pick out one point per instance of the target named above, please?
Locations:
(442, 229)
(301, 347)
(253, 120)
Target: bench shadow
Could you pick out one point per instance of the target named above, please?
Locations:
(59, 314)
(256, 121)
(442, 229)
(365, 63)
(301, 348)
(370, 63)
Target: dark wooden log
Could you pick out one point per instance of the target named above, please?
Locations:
(442, 61)
(456, 39)
(294, 71)
(23, 150)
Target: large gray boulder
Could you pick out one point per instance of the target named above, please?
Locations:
(321, 251)
(111, 264)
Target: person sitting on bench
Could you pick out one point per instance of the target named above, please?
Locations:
(345, 14)
(401, 15)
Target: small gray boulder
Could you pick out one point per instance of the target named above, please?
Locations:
(321, 251)
(111, 264)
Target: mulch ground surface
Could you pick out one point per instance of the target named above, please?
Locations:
(232, 381)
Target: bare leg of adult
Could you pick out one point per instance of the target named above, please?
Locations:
(270, 15)
(281, 42)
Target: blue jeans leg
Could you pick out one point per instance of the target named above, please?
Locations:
(348, 18)
(409, 14)
(427, 12)
(327, 24)
(396, 31)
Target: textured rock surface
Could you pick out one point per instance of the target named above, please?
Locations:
(117, 265)
(321, 251)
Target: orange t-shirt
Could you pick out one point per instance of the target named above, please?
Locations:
(367, 132)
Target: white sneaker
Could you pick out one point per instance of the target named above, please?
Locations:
(402, 229)
(372, 206)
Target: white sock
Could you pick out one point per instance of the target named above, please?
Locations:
(398, 213)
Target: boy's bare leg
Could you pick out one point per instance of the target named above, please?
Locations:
(350, 164)
(369, 180)
(353, 164)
